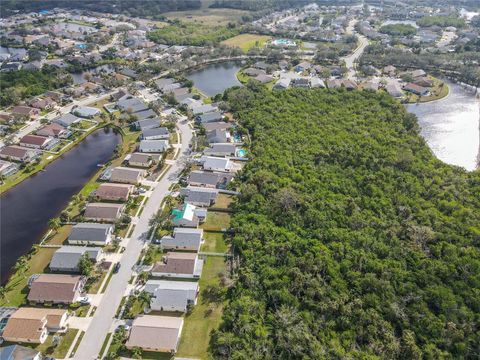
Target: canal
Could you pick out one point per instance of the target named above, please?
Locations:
(451, 126)
(26, 209)
(215, 78)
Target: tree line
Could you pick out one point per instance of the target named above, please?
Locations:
(354, 240)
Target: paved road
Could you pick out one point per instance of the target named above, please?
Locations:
(104, 316)
(350, 59)
(34, 125)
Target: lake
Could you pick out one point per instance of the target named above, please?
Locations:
(79, 78)
(26, 209)
(451, 126)
(215, 78)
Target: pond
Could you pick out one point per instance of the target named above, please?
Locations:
(215, 78)
(79, 78)
(451, 126)
(26, 209)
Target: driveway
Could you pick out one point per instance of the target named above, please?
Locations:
(104, 316)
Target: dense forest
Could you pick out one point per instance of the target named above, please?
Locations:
(22, 84)
(442, 21)
(186, 33)
(256, 5)
(354, 241)
(128, 7)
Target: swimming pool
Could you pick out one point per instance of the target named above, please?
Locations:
(241, 153)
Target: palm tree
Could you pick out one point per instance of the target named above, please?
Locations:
(3, 292)
(54, 224)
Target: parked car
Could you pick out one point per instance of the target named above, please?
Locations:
(116, 267)
(85, 300)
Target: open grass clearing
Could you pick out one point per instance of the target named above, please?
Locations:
(60, 236)
(247, 41)
(208, 16)
(205, 316)
(223, 201)
(216, 221)
(214, 242)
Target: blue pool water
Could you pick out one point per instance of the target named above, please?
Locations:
(241, 153)
(81, 46)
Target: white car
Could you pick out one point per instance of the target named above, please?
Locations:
(84, 300)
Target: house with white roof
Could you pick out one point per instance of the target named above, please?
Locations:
(217, 164)
(183, 239)
(172, 295)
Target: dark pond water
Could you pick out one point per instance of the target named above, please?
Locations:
(26, 209)
(79, 78)
(451, 126)
(214, 79)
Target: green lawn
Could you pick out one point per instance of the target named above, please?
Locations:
(247, 41)
(95, 286)
(48, 349)
(77, 344)
(205, 317)
(59, 237)
(107, 282)
(16, 288)
(223, 201)
(216, 221)
(214, 242)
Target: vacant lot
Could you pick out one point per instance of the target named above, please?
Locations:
(247, 41)
(208, 16)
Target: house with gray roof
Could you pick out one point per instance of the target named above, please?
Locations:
(145, 114)
(90, 234)
(172, 295)
(220, 149)
(161, 84)
(153, 146)
(209, 179)
(126, 175)
(160, 133)
(67, 258)
(66, 120)
(210, 117)
(199, 196)
(218, 136)
(183, 239)
(131, 104)
(203, 109)
(86, 111)
(147, 123)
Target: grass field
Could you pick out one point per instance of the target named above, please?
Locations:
(208, 16)
(214, 242)
(16, 288)
(205, 317)
(223, 201)
(247, 41)
(59, 237)
(216, 221)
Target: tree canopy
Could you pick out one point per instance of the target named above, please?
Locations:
(354, 241)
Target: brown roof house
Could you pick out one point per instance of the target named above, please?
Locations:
(114, 192)
(179, 265)
(103, 212)
(55, 288)
(32, 325)
(155, 333)
(140, 160)
(43, 104)
(35, 141)
(126, 175)
(26, 112)
(18, 153)
(53, 130)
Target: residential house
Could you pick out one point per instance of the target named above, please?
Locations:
(203, 109)
(145, 114)
(86, 112)
(114, 192)
(67, 258)
(416, 89)
(217, 164)
(7, 168)
(183, 239)
(185, 216)
(261, 65)
(155, 333)
(418, 73)
(220, 149)
(209, 179)
(147, 124)
(131, 104)
(394, 90)
(32, 325)
(66, 120)
(54, 130)
(424, 82)
(43, 104)
(181, 265)
(103, 212)
(160, 133)
(140, 160)
(55, 288)
(390, 70)
(18, 352)
(18, 153)
(254, 72)
(153, 146)
(303, 66)
(217, 125)
(164, 83)
(24, 112)
(126, 175)
(209, 117)
(55, 95)
(36, 142)
(90, 234)
(199, 196)
(283, 83)
(316, 82)
(172, 295)
(301, 82)
(263, 78)
(218, 136)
